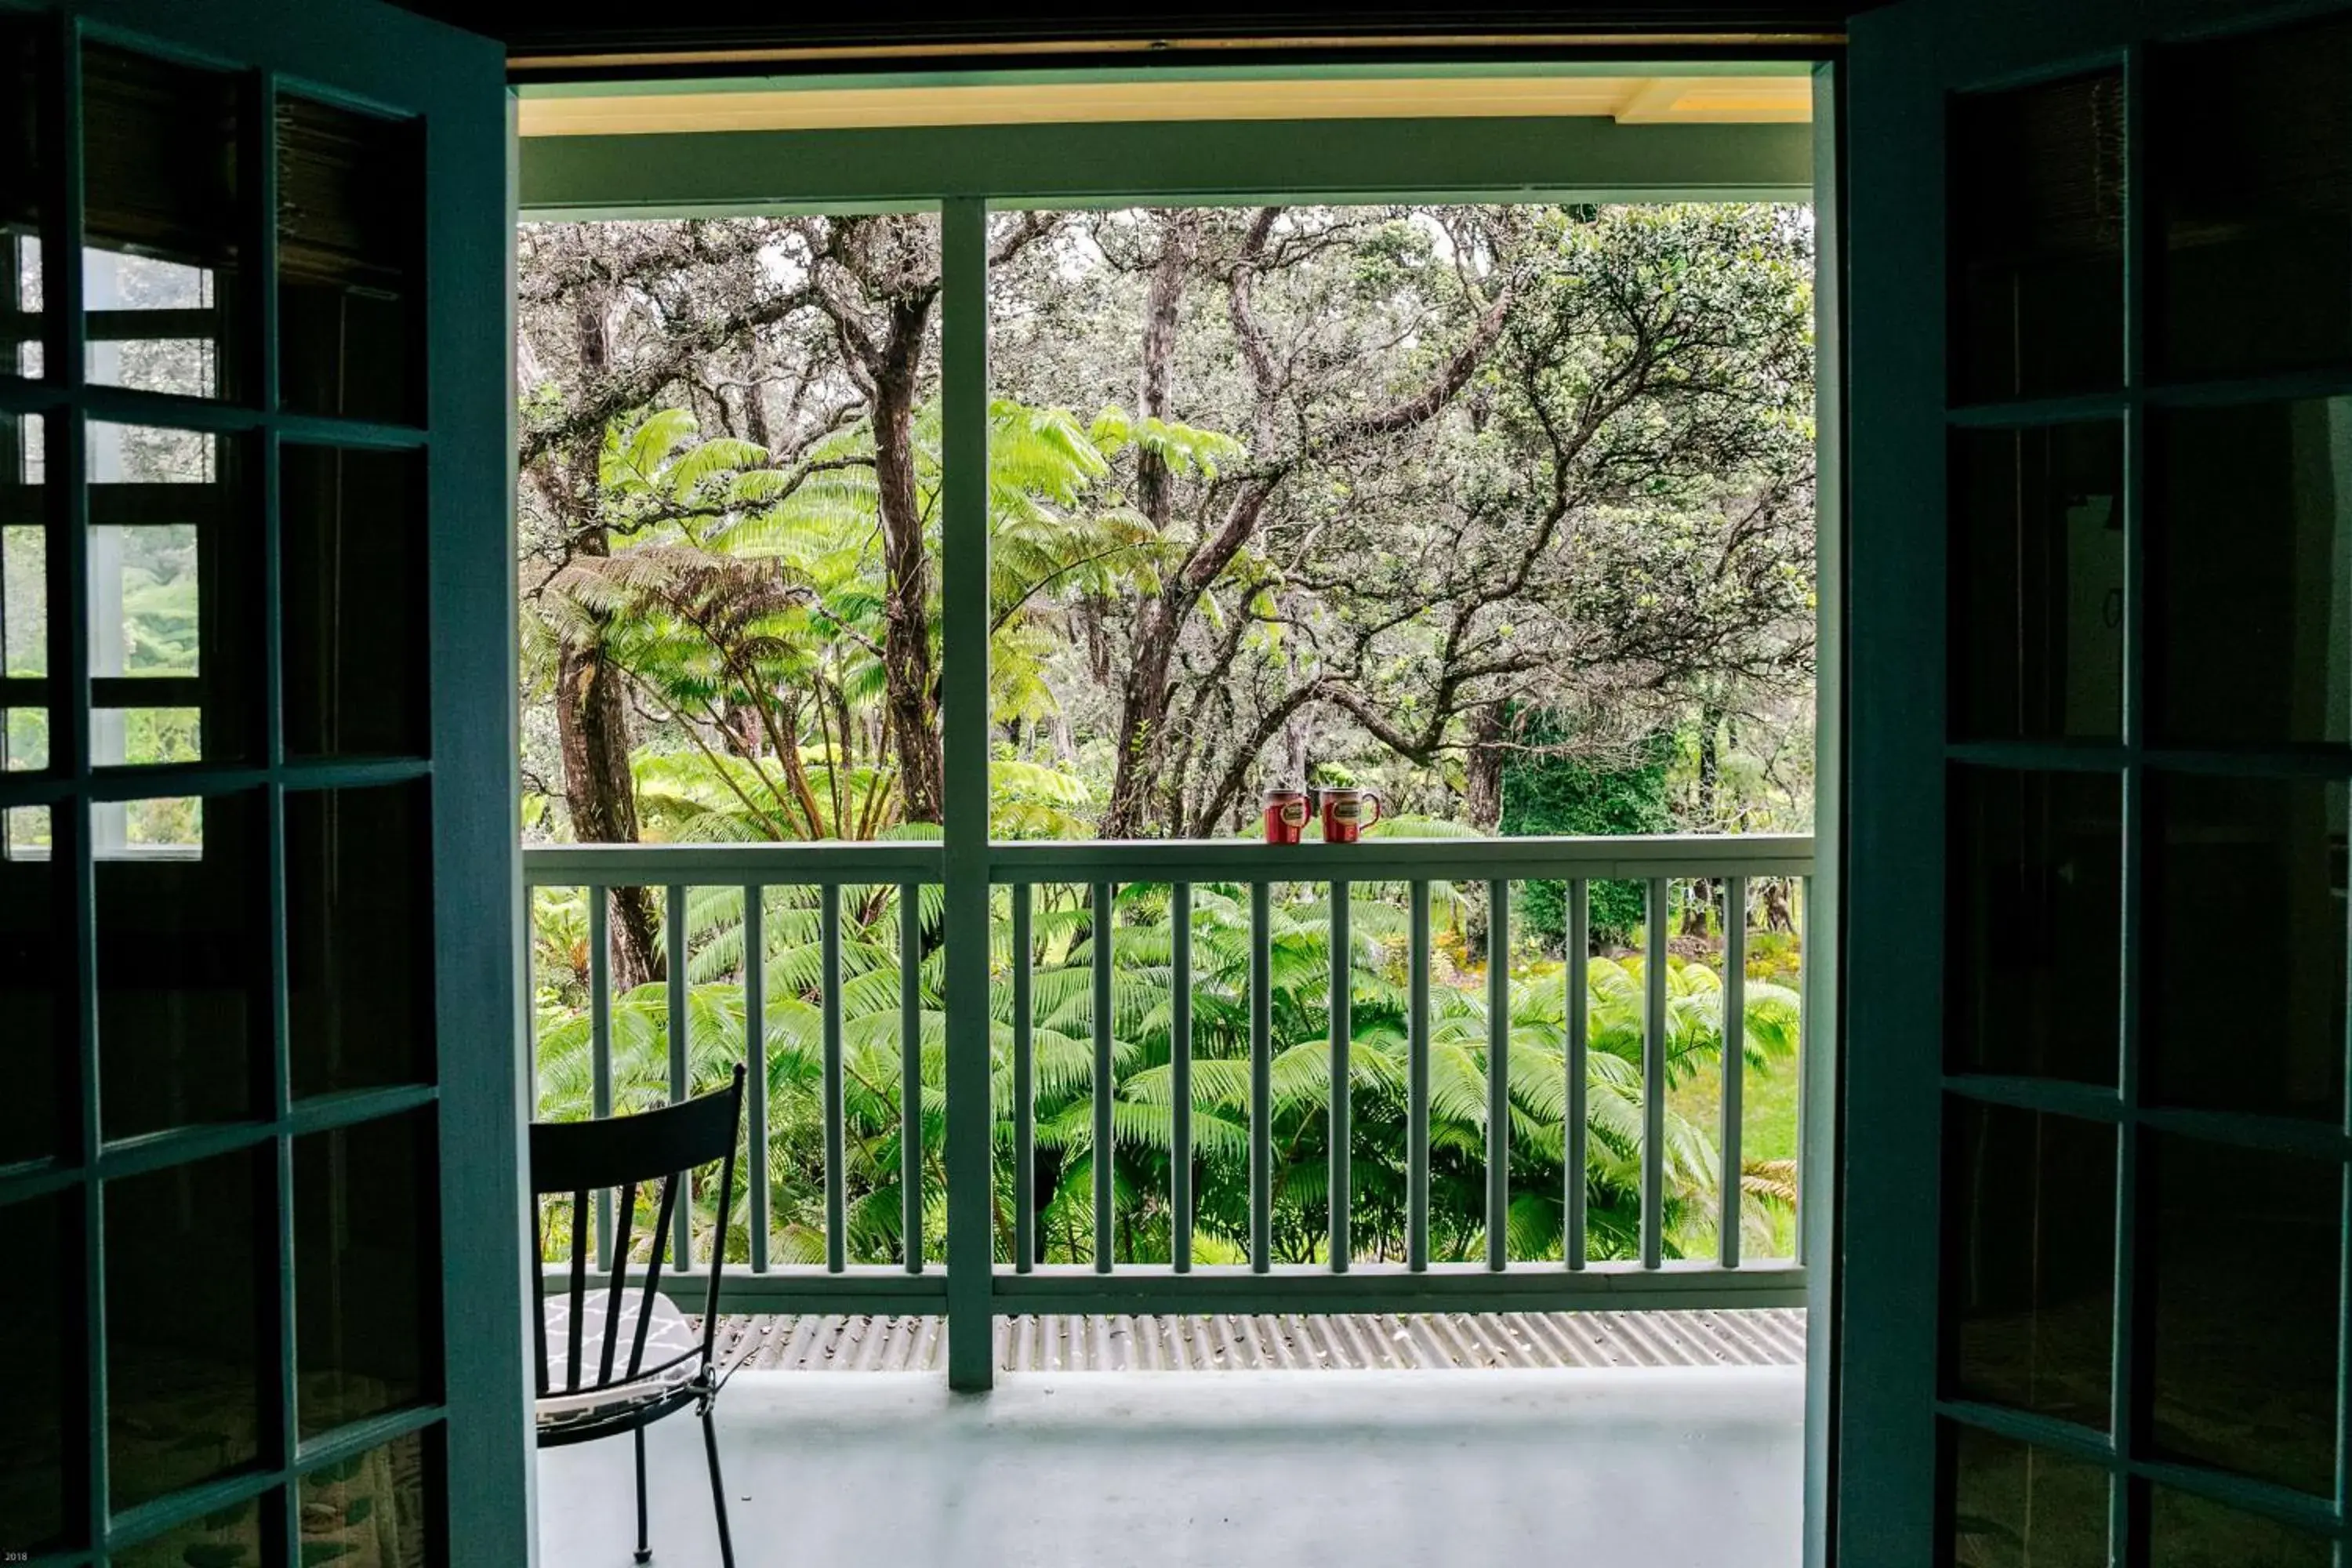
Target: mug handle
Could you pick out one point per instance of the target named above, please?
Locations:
(1380, 808)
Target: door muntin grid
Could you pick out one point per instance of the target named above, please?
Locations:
(197, 304)
(2125, 1368)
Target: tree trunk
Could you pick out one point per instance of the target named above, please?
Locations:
(1136, 797)
(1143, 704)
(592, 710)
(1704, 892)
(910, 693)
(1482, 781)
(591, 724)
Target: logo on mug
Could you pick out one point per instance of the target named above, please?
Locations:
(1347, 811)
(1287, 811)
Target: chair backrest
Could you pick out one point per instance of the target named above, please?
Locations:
(578, 1159)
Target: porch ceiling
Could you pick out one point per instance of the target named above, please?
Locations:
(1628, 98)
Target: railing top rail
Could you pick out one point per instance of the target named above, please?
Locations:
(1180, 860)
(728, 865)
(1406, 860)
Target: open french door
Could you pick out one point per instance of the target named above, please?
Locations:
(260, 1132)
(2100, 619)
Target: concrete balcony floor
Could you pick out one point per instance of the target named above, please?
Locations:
(1659, 1468)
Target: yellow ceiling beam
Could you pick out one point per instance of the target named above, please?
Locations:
(1629, 99)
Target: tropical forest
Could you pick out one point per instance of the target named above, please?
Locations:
(1503, 514)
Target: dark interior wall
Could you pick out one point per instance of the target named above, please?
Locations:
(630, 26)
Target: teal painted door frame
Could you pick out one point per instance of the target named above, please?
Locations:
(1888, 1500)
(473, 1419)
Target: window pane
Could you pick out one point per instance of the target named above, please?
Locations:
(24, 595)
(182, 966)
(2037, 225)
(45, 1394)
(231, 1537)
(2035, 923)
(37, 1115)
(2252, 177)
(2037, 609)
(24, 172)
(162, 222)
(2013, 1505)
(2030, 1261)
(384, 1506)
(2249, 573)
(2242, 1247)
(365, 1269)
(2185, 1531)
(350, 218)
(2263, 861)
(354, 580)
(359, 881)
(183, 1251)
(173, 570)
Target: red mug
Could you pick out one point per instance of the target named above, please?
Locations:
(1347, 811)
(1287, 811)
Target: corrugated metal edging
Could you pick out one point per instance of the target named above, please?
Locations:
(1233, 1342)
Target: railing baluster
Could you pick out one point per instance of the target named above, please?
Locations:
(1498, 1074)
(1024, 1090)
(600, 1045)
(836, 1203)
(681, 1085)
(1416, 1162)
(1653, 1080)
(1104, 1146)
(1179, 1070)
(1340, 1187)
(910, 1076)
(1261, 1110)
(755, 1067)
(1735, 1042)
(1579, 1027)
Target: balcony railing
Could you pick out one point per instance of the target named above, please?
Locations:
(852, 977)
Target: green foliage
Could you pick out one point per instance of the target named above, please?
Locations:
(873, 987)
(1546, 792)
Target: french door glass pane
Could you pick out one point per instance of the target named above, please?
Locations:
(163, 218)
(382, 1506)
(2029, 1262)
(2250, 568)
(2185, 1531)
(352, 581)
(24, 170)
(2253, 168)
(45, 1382)
(2035, 923)
(37, 1113)
(2013, 1505)
(2037, 225)
(2242, 1254)
(230, 1535)
(359, 947)
(175, 644)
(2261, 861)
(184, 1364)
(184, 1018)
(350, 228)
(365, 1269)
(2037, 608)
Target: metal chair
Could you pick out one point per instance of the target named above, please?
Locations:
(666, 1365)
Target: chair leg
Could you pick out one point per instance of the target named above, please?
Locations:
(644, 1552)
(718, 1490)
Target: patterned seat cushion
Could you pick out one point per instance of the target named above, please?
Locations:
(668, 1338)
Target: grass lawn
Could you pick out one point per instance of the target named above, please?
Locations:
(1767, 1130)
